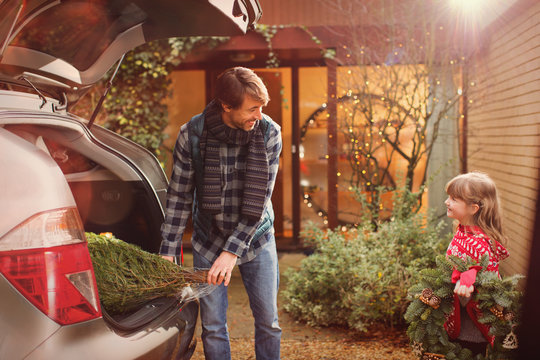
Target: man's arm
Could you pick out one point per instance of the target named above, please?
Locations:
(179, 197)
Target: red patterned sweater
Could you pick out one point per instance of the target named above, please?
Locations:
(471, 241)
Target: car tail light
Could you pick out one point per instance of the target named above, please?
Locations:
(46, 259)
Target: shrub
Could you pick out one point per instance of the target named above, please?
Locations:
(361, 276)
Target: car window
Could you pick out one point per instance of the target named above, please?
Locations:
(78, 32)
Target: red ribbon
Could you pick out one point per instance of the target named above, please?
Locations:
(466, 278)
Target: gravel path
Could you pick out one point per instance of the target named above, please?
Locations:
(243, 349)
(300, 341)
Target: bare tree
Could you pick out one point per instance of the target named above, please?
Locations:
(400, 81)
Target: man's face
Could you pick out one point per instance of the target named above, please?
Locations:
(243, 117)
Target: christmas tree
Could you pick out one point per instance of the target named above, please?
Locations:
(128, 277)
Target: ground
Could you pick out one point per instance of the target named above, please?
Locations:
(300, 341)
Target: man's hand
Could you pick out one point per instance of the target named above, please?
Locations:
(222, 269)
(170, 258)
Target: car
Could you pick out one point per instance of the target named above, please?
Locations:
(62, 176)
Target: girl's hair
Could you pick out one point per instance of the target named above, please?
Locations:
(478, 188)
(235, 83)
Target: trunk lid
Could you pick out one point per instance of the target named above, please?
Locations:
(63, 47)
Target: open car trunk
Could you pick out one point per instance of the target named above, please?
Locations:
(115, 192)
(111, 192)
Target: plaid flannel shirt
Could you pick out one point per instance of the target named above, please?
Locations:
(235, 232)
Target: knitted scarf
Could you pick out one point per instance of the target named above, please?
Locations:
(216, 132)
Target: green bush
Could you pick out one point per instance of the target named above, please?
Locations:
(361, 276)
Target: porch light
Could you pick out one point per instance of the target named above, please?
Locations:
(242, 57)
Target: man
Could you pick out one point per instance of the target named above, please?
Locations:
(225, 166)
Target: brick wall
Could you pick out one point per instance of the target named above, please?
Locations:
(504, 122)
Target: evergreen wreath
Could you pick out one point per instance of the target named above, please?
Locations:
(498, 299)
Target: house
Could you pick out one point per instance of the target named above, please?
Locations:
(493, 67)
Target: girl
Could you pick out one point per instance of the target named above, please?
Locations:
(473, 202)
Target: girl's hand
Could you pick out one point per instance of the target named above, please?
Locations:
(463, 290)
(465, 280)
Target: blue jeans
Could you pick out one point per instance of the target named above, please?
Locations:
(261, 280)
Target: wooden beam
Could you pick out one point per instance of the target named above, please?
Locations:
(463, 120)
(296, 195)
(332, 145)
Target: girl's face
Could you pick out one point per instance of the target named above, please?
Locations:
(460, 210)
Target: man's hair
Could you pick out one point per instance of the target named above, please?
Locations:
(234, 84)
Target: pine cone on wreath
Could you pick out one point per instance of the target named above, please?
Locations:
(427, 293)
(432, 356)
(509, 316)
(435, 301)
(497, 310)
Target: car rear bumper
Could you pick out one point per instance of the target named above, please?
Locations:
(32, 335)
(95, 340)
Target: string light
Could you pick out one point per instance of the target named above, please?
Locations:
(356, 145)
